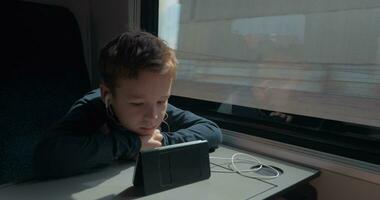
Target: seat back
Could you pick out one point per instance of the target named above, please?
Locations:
(44, 74)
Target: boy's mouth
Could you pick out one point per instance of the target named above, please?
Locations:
(148, 129)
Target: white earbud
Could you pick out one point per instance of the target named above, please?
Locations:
(107, 101)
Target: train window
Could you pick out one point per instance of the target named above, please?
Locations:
(301, 72)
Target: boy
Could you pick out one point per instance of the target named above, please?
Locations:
(129, 113)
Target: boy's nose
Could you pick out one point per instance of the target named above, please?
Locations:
(151, 113)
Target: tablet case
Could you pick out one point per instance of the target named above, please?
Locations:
(171, 166)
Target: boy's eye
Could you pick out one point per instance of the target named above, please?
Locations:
(136, 104)
(161, 102)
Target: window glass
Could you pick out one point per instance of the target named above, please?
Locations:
(318, 59)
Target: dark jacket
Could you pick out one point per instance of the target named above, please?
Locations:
(86, 138)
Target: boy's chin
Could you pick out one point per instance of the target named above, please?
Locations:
(144, 132)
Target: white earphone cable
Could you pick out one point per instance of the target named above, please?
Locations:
(244, 172)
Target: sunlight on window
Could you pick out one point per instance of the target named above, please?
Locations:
(168, 21)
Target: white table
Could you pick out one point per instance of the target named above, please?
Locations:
(115, 182)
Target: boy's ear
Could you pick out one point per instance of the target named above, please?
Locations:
(105, 92)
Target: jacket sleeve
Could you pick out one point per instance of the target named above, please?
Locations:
(80, 142)
(185, 126)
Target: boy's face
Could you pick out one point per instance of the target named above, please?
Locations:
(140, 104)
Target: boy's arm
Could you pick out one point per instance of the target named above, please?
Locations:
(80, 142)
(185, 126)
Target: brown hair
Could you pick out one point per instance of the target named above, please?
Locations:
(131, 52)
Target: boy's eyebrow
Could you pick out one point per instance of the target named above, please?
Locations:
(138, 96)
(135, 96)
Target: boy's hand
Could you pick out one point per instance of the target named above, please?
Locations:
(151, 141)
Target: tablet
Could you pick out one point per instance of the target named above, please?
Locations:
(171, 166)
